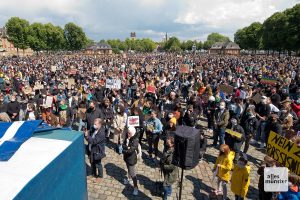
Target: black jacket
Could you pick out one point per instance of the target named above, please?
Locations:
(98, 143)
(190, 119)
(129, 150)
(251, 126)
(234, 143)
(91, 115)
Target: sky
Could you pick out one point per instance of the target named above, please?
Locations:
(111, 19)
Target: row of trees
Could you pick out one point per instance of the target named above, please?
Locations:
(281, 31)
(46, 37)
(173, 44)
(138, 45)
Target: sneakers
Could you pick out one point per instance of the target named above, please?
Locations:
(253, 142)
(262, 145)
(126, 181)
(135, 191)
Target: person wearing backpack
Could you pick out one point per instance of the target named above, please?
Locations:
(169, 170)
(130, 151)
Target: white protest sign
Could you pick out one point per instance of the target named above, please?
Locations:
(113, 84)
(49, 101)
(133, 121)
(276, 179)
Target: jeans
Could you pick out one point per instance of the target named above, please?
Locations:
(96, 164)
(167, 191)
(153, 140)
(220, 132)
(261, 132)
(222, 185)
(81, 124)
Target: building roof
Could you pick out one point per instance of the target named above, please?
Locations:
(99, 46)
(225, 45)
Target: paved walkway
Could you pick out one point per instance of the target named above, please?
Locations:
(197, 182)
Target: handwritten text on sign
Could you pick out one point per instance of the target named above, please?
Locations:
(113, 84)
(284, 151)
(133, 121)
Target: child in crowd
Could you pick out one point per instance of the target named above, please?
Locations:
(223, 166)
(240, 178)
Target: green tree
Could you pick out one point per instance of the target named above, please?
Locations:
(172, 42)
(213, 38)
(199, 45)
(74, 36)
(274, 32)
(249, 37)
(293, 28)
(148, 45)
(240, 38)
(17, 31)
(54, 37)
(37, 37)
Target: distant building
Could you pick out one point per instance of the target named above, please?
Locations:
(7, 48)
(98, 49)
(225, 48)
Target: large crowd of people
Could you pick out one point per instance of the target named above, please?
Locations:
(251, 95)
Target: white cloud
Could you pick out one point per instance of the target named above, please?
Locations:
(186, 19)
(229, 13)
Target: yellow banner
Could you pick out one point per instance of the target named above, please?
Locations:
(284, 151)
(234, 133)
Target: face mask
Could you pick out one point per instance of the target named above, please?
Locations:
(95, 127)
(222, 107)
(290, 184)
(234, 122)
(298, 102)
(284, 111)
(118, 110)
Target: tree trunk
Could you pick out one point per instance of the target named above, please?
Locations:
(23, 52)
(17, 51)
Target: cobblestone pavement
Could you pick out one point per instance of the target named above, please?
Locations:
(197, 182)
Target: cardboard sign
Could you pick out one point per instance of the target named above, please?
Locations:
(184, 69)
(72, 71)
(27, 90)
(71, 81)
(233, 133)
(133, 121)
(49, 101)
(38, 86)
(148, 68)
(53, 68)
(151, 89)
(113, 84)
(284, 151)
(257, 98)
(227, 89)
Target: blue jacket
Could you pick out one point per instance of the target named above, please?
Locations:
(289, 195)
(157, 125)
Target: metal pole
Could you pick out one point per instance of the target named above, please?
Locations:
(181, 182)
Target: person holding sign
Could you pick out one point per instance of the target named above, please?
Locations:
(235, 141)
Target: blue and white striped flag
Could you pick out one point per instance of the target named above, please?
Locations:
(13, 135)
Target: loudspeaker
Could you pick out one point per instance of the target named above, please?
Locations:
(187, 147)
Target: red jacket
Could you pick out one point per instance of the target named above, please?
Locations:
(296, 109)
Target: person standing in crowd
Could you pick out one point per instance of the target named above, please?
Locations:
(222, 166)
(154, 128)
(169, 170)
(221, 120)
(267, 162)
(119, 124)
(92, 113)
(96, 148)
(190, 117)
(235, 143)
(130, 148)
(262, 113)
(250, 126)
(13, 108)
(240, 178)
(107, 116)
